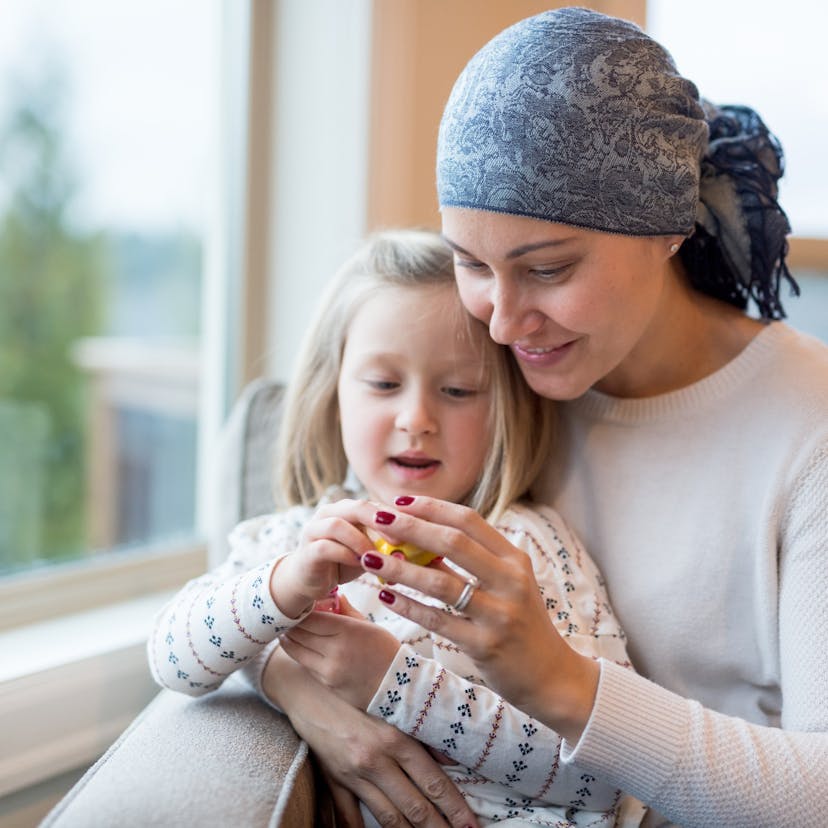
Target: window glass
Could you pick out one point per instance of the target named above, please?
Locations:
(769, 56)
(106, 129)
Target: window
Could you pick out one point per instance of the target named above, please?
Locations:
(769, 57)
(108, 120)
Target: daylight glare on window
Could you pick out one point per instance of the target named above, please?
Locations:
(106, 121)
(770, 56)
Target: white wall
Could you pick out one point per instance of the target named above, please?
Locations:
(320, 138)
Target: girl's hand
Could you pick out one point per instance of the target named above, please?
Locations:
(328, 555)
(504, 626)
(343, 651)
(364, 759)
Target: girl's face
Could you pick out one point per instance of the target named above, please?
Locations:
(578, 308)
(414, 395)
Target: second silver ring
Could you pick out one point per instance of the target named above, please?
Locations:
(466, 595)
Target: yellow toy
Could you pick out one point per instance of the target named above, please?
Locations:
(404, 550)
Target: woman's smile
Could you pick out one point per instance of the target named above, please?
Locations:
(543, 357)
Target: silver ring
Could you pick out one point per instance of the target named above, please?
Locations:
(466, 595)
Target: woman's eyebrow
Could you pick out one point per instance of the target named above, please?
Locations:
(512, 254)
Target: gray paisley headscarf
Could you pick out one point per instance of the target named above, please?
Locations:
(579, 118)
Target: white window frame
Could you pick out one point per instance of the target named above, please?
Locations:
(78, 629)
(273, 246)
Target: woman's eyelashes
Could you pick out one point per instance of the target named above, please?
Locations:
(549, 273)
(471, 265)
(543, 272)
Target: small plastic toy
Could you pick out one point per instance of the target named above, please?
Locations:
(404, 550)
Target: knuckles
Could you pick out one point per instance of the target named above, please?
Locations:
(417, 812)
(437, 787)
(365, 760)
(390, 819)
(432, 618)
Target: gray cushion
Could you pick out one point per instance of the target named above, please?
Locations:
(246, 458)
(225, 759)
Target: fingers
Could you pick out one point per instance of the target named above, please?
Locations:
(381, 782)
(342, 521)
(437, 787)
(431, 524)
(457, 628)
(345, 806)
(465, 520)
(345, 608)
(342, 541)
(439, 582)
(390, 772)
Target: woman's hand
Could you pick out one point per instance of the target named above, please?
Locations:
(363, 758)
(328, 555)
(343, 651)
(504, 626)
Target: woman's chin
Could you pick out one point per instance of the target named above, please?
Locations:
(557, 387)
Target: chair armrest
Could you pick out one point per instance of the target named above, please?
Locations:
(222, 759)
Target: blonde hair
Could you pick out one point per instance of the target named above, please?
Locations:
(311, 457)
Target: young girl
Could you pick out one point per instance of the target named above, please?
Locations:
(399, 389)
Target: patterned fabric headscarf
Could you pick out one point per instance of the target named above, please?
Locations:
(575, 117)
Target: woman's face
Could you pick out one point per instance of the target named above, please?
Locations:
(578, 308)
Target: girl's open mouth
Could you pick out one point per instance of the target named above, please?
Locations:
(415, 467)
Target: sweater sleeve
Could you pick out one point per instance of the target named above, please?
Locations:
(220, 621)
(475, 726)
(699, 767)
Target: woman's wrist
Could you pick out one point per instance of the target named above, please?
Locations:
(565, 703)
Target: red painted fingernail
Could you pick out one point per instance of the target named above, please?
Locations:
(372, 561)
(386, 597)
(384, 518)
(404, 500)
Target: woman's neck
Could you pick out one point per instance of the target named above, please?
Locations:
(692, 336)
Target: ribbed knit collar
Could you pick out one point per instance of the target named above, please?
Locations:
(596, 405)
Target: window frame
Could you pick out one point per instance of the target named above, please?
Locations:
(257, 248)
(109, 684)
(116, 575)
(62, 589)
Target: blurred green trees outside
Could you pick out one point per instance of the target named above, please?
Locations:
(51, 293)
(61, 282)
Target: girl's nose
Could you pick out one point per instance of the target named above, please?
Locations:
(415, 415)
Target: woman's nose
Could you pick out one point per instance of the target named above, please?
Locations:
(511, 318)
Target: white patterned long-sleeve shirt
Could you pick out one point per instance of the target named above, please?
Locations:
(509, 765)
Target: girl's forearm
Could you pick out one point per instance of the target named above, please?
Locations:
(474, 726)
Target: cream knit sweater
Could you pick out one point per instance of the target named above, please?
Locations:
(707, 511)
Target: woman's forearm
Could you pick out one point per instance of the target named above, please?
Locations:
(699, 767)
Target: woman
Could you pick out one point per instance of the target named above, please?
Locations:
(612, 229)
